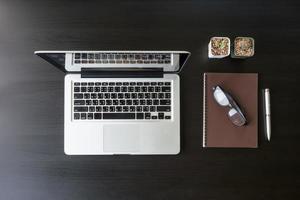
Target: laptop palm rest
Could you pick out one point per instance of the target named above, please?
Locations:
(121, 138)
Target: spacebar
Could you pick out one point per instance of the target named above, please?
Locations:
(118, 115)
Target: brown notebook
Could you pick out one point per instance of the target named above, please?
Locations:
(218, 130)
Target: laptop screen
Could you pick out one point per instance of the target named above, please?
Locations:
(74, 61)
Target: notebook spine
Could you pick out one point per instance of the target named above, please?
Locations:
(204, 112)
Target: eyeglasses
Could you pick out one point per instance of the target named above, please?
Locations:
(224, 99)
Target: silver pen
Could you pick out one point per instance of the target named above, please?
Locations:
(268, 113)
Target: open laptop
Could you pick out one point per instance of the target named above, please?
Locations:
(120, 102)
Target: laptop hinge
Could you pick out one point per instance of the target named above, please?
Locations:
(121, 72)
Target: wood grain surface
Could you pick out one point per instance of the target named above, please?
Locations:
(32, 161)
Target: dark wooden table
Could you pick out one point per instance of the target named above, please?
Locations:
(32, 161)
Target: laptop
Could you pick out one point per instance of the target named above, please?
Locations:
(120, 102)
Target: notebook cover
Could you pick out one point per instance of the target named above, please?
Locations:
(218, 130)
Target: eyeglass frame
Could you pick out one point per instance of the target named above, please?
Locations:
(231, 104)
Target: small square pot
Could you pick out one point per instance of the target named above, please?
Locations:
(219, 47)
(243, 47)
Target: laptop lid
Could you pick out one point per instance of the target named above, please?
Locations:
(77, 61)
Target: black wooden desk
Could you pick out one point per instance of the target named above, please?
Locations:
(32, 162)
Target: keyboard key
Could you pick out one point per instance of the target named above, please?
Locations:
(90, 116)
(100, 95)
(165, 102)
(149, 102)
(155, 102)
(108, 102)
(103, 89)
(87, 95)
(83, 89)
(133, 95)
(160, 95)
(147, 116)
(140, 115)
(94, 96)
(129, 102)
(95, 102)
(76, 89)
(139, 108)
(130, 89)
(152, 108)
(105, 108)
(97, 56)
(132, 108)
(135, 102)
(153, 95)
(118, 108)
(117, 89)
(160, 115)
(77, 55)
(166, 89)
(78, 96)
(79, 102)
(92, 109)
(88, 102)
(127, 95)
(91, 84)
(113, 95)
(115, 102)
(154, 117)
(163, 108)
(125, 109)
(122, 102)
(97, 89)
(142, 102)
(76, 115)
(111, 109)
(123, 89)
(150, 89)
(106, 96)
(90, 56)
(110, 89)
(83, 115)
(140, 95)
(76, 84)
(167, 83)
(102, 102)
(80, 108)
(118, 115)
(120, 95)
(98, 109)
(144, 89)
(145, 108)
(167, 95)
(83, 56)
(97, 115)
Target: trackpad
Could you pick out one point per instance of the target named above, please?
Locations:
(120, 138)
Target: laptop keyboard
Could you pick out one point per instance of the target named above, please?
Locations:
(122, 58)
(122, 100)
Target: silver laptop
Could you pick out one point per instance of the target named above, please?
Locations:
(120, 102)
